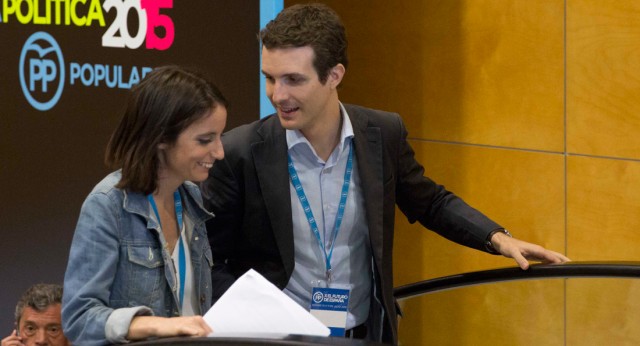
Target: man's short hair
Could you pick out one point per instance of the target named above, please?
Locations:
(38, 297)
(314, 25)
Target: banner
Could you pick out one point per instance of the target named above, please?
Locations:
(66, 67)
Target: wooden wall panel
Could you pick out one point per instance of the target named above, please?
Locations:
(603, 78)
(603, 209)
(512, 313)
(455, 75)
(505, 88)
(603, 312)
(603, 205)
(521, 190)
(603, 101)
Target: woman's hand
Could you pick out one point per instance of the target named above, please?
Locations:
(143, 327)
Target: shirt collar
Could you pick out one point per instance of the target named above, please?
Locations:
(295, 137)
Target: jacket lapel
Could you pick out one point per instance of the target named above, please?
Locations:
(368, 145)
(270, 157)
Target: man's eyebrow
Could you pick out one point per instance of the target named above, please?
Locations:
(291, 74)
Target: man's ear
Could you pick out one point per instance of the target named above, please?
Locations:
(336, 74)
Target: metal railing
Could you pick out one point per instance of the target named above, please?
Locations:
(536, 271)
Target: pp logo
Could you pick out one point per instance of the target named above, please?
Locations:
(318, 297)
(41, 64)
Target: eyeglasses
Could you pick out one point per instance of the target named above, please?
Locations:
(31, 330)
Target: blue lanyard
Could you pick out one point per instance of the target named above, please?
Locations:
(309, 213)
(182, 261)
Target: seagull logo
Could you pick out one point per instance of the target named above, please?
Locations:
(42, 71)
(318, 297)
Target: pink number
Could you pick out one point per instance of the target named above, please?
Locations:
(155, 19)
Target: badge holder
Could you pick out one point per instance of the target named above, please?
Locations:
(330, 306)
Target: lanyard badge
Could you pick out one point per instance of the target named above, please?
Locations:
(329, 305)
(295, 180)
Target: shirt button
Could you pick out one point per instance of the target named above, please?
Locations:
(196, 238)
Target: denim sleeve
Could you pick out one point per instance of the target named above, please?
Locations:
(91, 269)
(118, 323)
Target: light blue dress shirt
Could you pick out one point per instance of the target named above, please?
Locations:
(351, 261)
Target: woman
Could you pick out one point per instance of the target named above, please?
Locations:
(140, 262)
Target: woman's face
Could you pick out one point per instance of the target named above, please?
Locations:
(195, 149)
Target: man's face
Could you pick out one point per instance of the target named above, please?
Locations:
(42, 328)
(295, 90)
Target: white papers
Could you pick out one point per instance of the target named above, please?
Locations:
(254, 307)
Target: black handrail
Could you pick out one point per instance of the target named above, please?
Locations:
(535, 271)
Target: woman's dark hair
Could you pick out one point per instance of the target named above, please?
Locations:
(314, 25)
(160, 107)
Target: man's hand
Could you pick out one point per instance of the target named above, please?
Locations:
(12, 340)
(522, 251)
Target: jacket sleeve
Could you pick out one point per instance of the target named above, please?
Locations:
(93, 261)
(421, 199)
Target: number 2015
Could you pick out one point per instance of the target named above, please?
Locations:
(149, 17)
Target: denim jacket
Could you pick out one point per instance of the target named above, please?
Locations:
(118, 268)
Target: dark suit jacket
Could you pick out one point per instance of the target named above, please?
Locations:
(249, 194)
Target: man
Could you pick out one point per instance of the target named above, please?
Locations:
(307, 196)
(38, 320)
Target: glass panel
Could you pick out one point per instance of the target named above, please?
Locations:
(576, 311)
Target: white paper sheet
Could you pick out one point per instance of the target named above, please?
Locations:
(254, 307)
